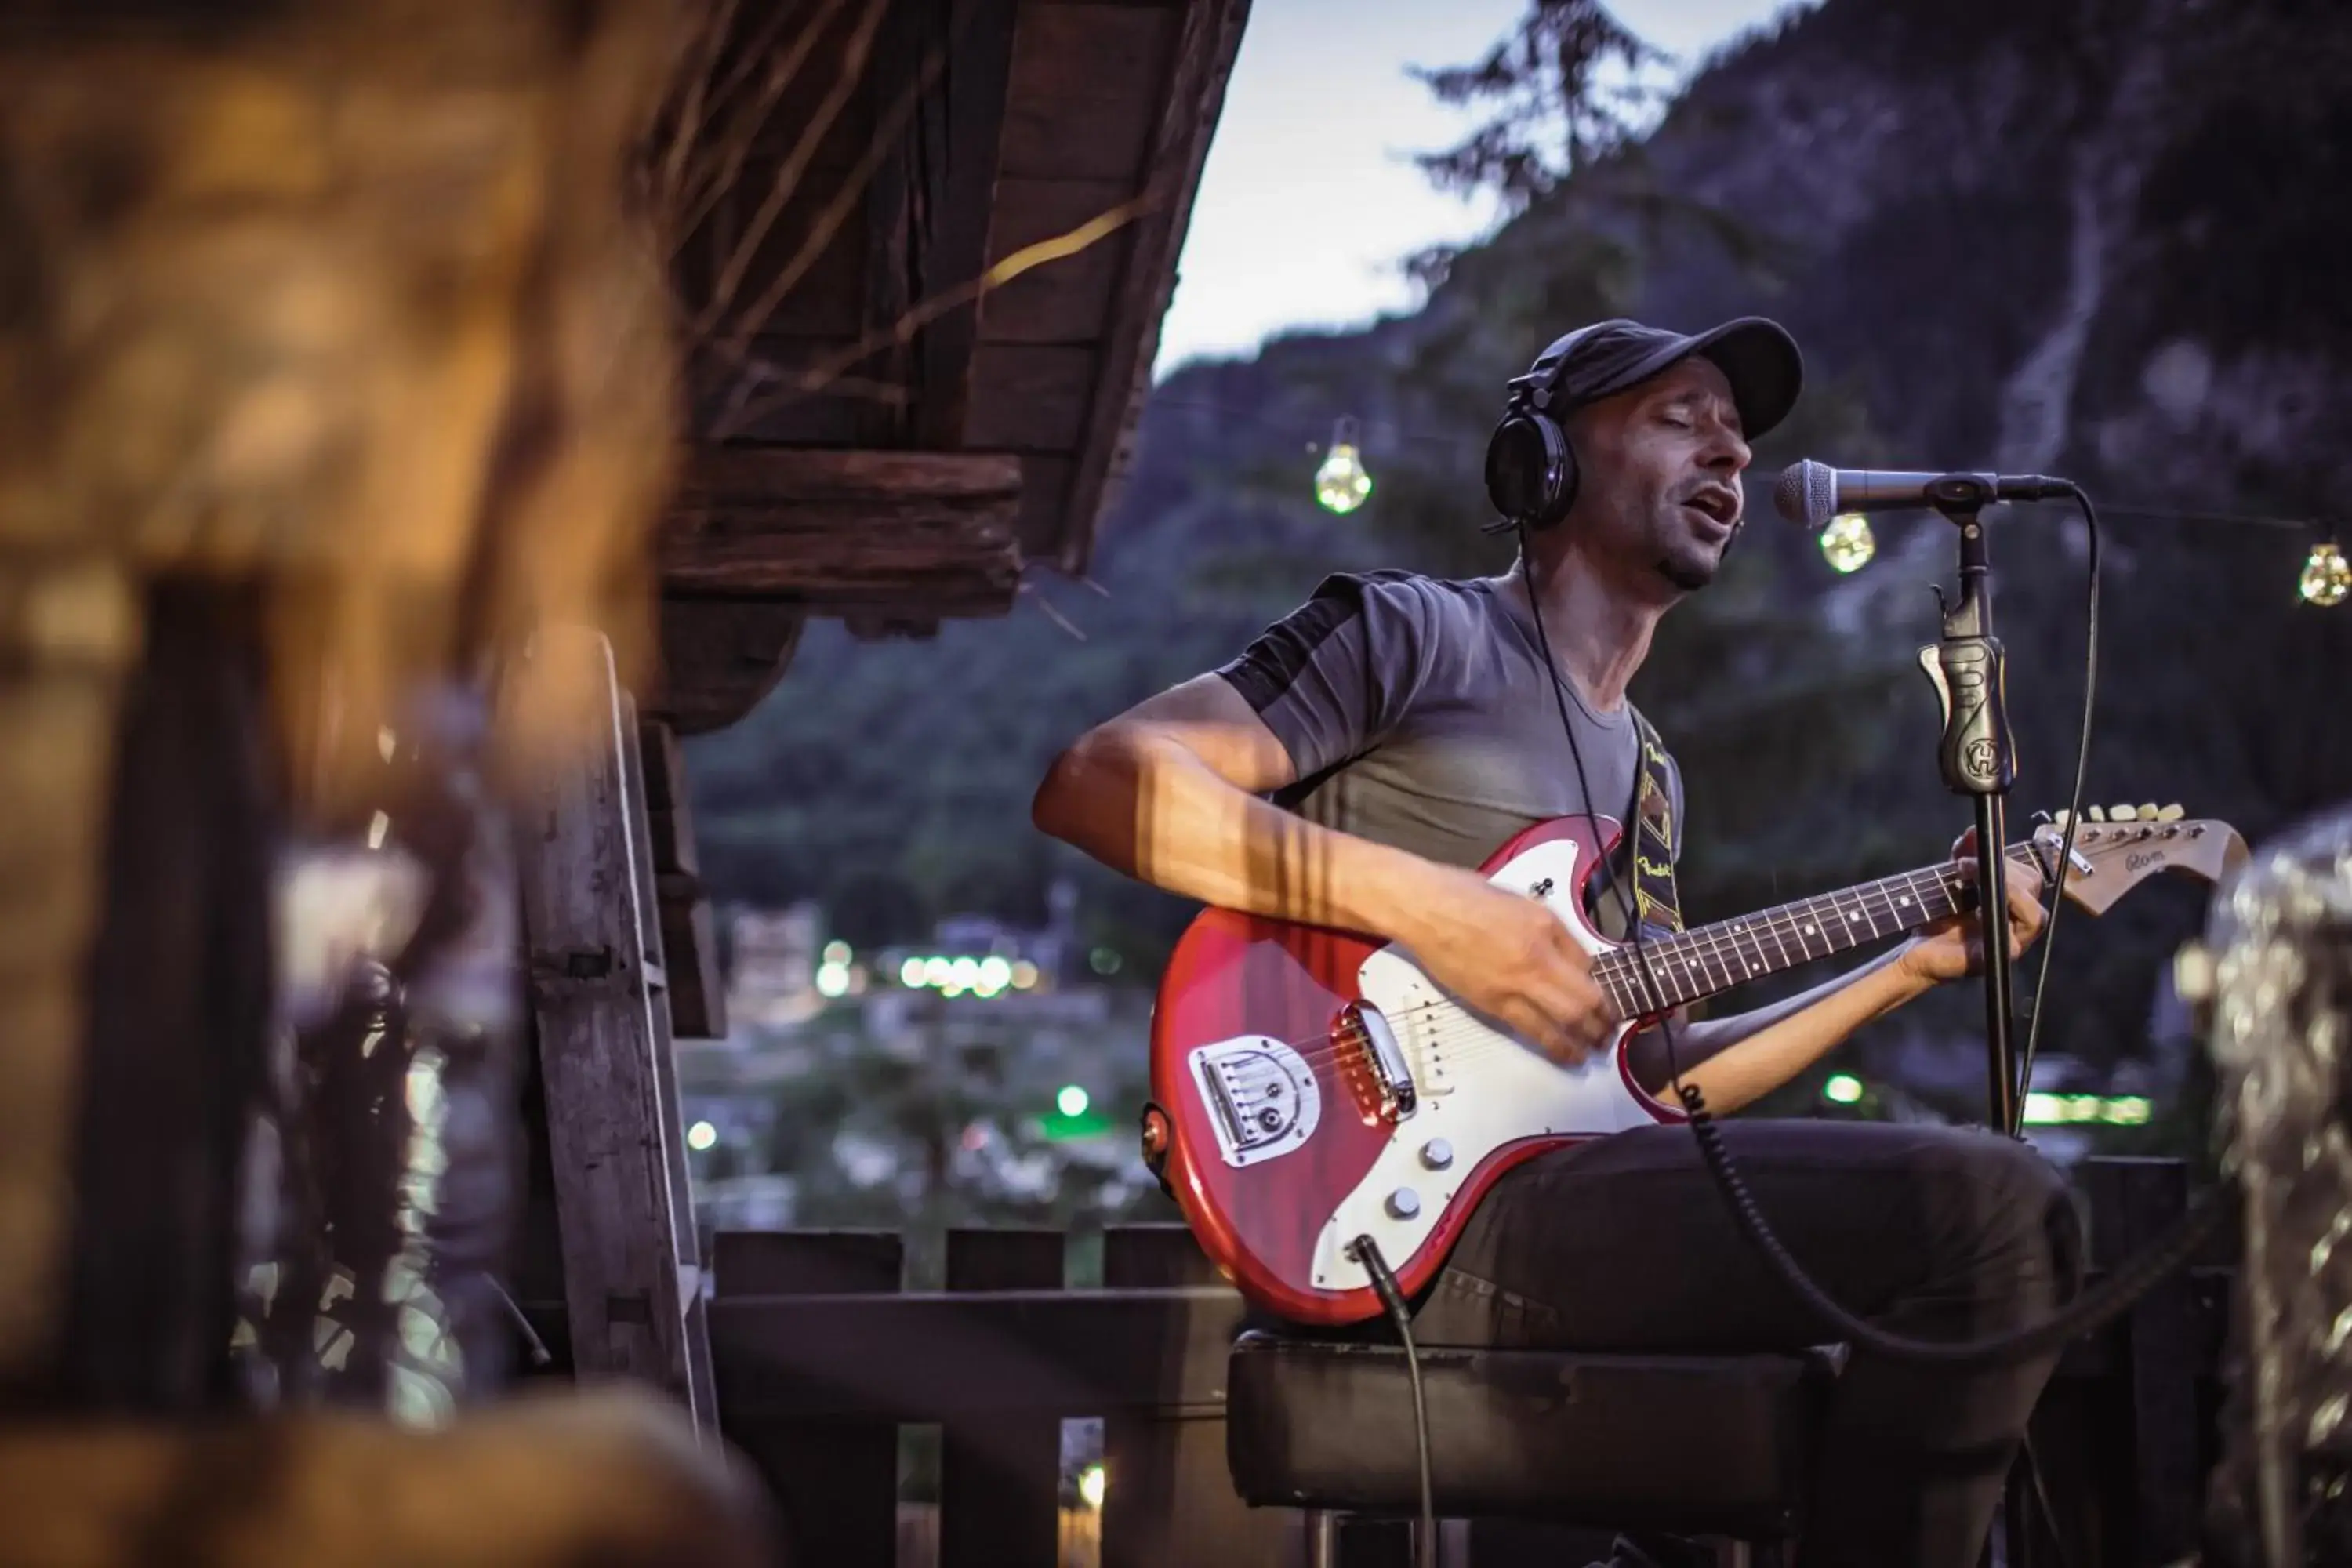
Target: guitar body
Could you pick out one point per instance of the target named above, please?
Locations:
(1275, 1057)
(1312, 1087)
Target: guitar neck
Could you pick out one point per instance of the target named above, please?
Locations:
(1702, 961)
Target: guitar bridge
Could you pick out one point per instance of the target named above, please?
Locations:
(1383, 1059)
(1262, 1097)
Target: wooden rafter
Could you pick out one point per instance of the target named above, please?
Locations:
(1192, 103)
(847, 534)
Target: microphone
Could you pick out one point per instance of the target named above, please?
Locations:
(1810, 493)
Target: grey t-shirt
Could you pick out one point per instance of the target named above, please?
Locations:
(1420, 712)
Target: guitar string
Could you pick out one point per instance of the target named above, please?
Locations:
(1707, 946)
(1432, 1027)
(1708, 952)
(1450, 1021)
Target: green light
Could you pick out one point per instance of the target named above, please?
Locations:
(1072, 1101)
(1844, 1087)
(2044, 1110)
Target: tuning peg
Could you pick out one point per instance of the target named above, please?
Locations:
(2170, 814)
(2060, 820)
(2095, 813)
(2148, 811)
(2123, 813)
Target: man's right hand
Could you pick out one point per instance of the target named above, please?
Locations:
(1509, 957)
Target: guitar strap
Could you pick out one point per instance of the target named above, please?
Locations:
(1656, 904)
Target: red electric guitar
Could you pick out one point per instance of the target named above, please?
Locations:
(1312, 1086)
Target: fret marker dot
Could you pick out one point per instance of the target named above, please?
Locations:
(1809, 930)
(1906, 899)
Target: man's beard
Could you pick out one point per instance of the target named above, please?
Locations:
(1688, 578)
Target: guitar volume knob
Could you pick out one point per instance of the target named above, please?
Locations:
(1437, 1153)
(1404, 1204)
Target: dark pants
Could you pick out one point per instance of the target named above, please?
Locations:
(1935, 1233)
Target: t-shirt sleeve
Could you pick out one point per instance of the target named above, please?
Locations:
(1335, 676)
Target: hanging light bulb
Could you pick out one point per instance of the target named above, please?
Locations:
(2326, 577)
(1342, 484)
(1847, 543)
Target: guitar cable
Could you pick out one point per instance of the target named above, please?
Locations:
(1367, 1252)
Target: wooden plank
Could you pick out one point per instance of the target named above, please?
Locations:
(898, 202)
(2136, 1203)
(1086, 90)
(1044, 503)
(683, 1239)
(847, 533)
(1030, 397)
(935, 1356)
(1000, 1476)
(1192, 103)
(1168, 1499)
(824, 299)
(697, 992)
(1066, 301)
(602, 1051)
(765, 38)
(972, 100)
(836, 1479)
(761, 401)
(720, 657)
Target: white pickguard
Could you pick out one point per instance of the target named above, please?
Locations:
(1480, 1088)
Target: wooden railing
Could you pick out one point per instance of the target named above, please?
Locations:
(820, 1357)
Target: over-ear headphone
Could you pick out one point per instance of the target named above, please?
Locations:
(1531, 469)
(1530, 466)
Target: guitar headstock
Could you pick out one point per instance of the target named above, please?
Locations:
(2118, 847)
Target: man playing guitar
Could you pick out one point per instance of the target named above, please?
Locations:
(1362, 757)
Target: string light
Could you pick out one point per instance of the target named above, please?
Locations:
(1847, 543)
(1342, 484)
(2327, 578)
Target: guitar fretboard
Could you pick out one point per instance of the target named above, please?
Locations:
(1707, 959)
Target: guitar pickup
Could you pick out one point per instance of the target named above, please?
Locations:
(1391, 1078)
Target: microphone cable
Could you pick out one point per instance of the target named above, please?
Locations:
(2091, 1311)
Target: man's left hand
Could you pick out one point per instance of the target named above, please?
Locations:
(1948, 948)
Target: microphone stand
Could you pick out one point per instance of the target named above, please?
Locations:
(1977, 758)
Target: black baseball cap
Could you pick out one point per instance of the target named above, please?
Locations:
(1757, 356)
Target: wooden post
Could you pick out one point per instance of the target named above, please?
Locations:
(1170, 1500)
(836, 1482)
(1000, 1479)
(631, 1288)
(690, 941)
(2134, 1203)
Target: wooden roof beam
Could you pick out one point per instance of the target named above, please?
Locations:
(928, 205)
(854, 534)
(1194, 99)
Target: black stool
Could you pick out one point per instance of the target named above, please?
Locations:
(1701, 1446)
